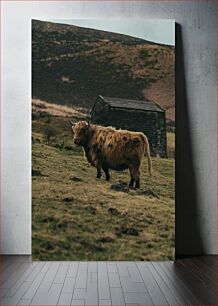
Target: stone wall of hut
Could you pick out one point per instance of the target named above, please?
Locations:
(152, 124)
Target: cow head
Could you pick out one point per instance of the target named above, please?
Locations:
(80, 132)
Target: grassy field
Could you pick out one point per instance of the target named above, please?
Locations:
(78, 217)
(171, 145)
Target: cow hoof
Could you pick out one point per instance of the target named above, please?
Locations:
(131, 184)
(137, 184)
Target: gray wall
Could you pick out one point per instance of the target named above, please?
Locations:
(196, 113)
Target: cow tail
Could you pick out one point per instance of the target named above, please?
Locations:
(147, 150)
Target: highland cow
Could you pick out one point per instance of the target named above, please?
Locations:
(107, 148)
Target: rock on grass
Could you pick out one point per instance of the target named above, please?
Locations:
(68, 199)
(150, 193)
(119, 187)
(113, 211)
(127, 231)
(106, 239)
(75, 178)
(36, 172)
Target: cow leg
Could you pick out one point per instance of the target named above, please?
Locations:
(135, 174)
(106, 171)
(98, 165)
(136, 171)
(137, 183)
(98, 173)
(137, 178)
(132, 181)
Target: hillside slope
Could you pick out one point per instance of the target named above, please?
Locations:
(73, 65)
(76, 216)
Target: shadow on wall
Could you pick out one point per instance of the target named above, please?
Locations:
(188, 238)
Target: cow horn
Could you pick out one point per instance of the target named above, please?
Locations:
(71, 122)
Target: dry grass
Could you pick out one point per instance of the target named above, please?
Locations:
(171, 145)
(57, 110)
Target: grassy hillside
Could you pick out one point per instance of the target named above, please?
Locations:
(78, 217)
(73, 65)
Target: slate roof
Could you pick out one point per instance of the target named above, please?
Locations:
(132, 104)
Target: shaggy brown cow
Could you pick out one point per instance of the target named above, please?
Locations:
(106, 148)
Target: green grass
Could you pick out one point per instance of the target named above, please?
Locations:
(78, 217)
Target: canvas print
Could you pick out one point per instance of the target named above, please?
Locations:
(103, 139)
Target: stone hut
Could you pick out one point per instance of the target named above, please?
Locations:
(134, 115)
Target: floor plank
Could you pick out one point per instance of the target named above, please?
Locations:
(117, 296)
(65, 299)
(169, 270)
(69, 285)
(187, 281)
(203, 291)
(48, 298)
(208, 275)
(103, 282)
(166, 290)
(17, 296)
(139, 298)
(197, 288)
(210, 262)
(177, 290)
(28, 276)
(155, 292)
(15, 278)
(61, 273)
(47, 281)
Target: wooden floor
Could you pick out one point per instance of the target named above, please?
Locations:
(189, 281)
